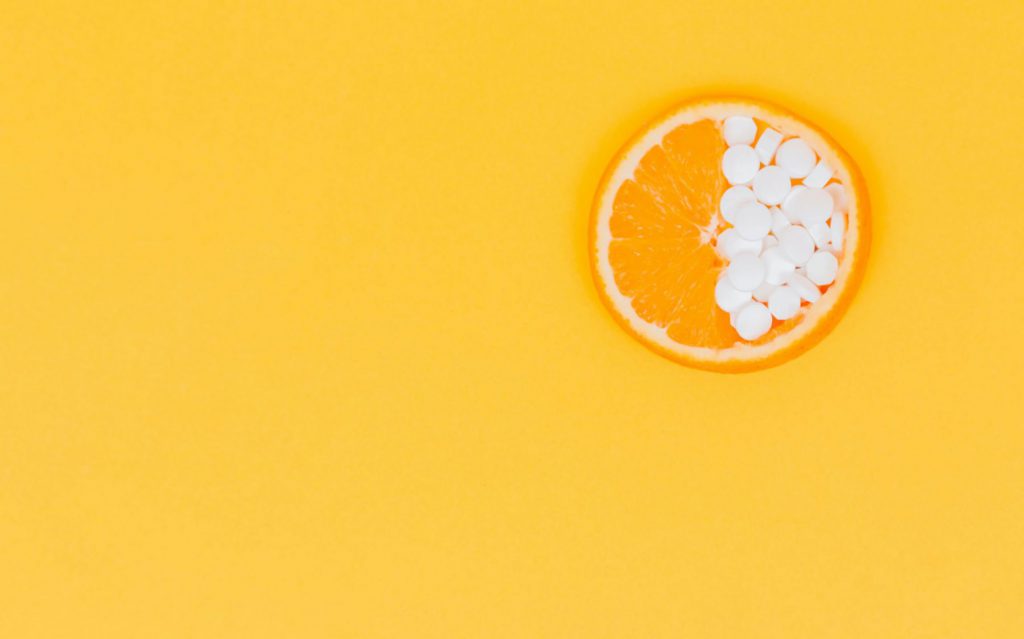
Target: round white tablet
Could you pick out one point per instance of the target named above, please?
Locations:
(771, 185)
(809, 206)
(766, 145)
(777, 268)
(796, 158)
(739, 129)
(821, 234)
(820, 176)
(796, 244)
(730, 244)
(763, 292)
(753, 221)
(753, 321)
(822, 268)
(779, 221)
(728, 298)
(838, 193)
(804, 287)
(731, 200)
(784, 302)
(740, 164)
(838, 228)
(787, 204)
(745, 272)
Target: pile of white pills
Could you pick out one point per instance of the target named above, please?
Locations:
(786, 219)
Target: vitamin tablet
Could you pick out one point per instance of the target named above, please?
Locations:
(795, 158)
(728, 298)
(787, 204)
(730, 244)
(839, 199)
(820, 176)
(753, 221)
(784, 302)
(745, 272)
(822, 268)
(804, 287)
(779, 221)
(796, 244)
(766, 145)
(820, 233)
(753, 321)
(763, 292)
(771, 185)
(731, 200)
(809, 206)
(838, 227)
(739, 129)
(776, 267)
(740, 164)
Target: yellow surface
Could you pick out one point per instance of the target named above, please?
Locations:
(298, 337)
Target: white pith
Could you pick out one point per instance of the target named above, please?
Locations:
(624, 170)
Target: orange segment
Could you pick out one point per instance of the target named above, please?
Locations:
(660, 223)
(652, 233)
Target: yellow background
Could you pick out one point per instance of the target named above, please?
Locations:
(298, 338)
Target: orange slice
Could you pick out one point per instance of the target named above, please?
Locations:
(653, 226)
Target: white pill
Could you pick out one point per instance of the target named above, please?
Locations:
(787, 204)
(838, 227)
(822, 268)
(753, 321)
(820, 233)
(784, 302)
(745, 272)
(766, 145)
(776, 267)
(795, 157)
(779, 221)
(804, 287)
(809, 206)
(796, 244)
(763, 292)
(731, 200)
(753, 221)
(771, 185)
(838, 193)
(728, 298)
(739, 129)
(769, 241)
(820, 176)
(730, 244)
(740, 164)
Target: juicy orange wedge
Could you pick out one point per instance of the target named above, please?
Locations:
(652, 239)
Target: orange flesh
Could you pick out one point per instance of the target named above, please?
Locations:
(662, 252)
